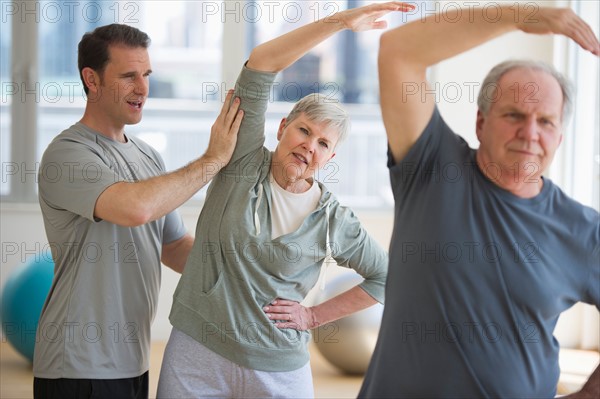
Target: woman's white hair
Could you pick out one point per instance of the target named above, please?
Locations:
(320, 109)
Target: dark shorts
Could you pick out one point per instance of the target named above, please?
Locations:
(67, 388)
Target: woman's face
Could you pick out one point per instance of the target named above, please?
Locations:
(304, 147)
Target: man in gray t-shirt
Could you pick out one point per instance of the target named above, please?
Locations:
(109, 212)
(486, 253)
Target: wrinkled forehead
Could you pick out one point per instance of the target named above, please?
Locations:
(121, 55)
(530, 89)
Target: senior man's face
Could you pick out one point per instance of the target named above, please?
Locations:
(522, 129)
(304, 147)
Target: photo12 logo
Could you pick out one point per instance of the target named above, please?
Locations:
(70, 11)
(267, 11)
(489, 11)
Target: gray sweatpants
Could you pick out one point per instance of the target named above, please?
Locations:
(190, 370)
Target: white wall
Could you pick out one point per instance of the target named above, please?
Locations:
(23, 235)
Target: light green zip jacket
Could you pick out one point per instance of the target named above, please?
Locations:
(235, 268)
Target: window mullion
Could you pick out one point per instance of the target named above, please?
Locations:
(234, 40)
(24, 108)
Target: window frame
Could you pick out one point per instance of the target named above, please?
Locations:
(24, 115)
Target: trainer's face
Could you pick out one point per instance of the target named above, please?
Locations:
(123, 86)
(523, 127)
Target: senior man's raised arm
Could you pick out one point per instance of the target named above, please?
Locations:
(406, 52)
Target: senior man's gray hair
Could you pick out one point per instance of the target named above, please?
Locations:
(485, 100)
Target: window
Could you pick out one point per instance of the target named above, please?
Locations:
(582, 137)
(197, 49)
(185, 57)
(188, 84)
(5, 123)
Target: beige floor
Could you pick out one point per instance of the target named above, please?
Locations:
(16, 378)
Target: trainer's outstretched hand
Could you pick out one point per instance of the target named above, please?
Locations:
(223, 134)
(367, 17)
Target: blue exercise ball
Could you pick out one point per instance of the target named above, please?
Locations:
(23, 297)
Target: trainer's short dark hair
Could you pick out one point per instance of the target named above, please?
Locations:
(93, 47)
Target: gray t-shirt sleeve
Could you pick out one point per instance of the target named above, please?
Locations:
(72, 176)
(174, 228)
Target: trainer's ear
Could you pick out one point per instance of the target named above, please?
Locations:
(91, 79)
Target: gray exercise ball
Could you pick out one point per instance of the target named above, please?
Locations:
(348, 343)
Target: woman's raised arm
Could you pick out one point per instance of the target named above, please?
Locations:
(279, 53)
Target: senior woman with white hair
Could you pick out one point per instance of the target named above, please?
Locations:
(263, 235)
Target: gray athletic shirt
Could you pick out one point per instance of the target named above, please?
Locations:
(96, 319)
(477, 279)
